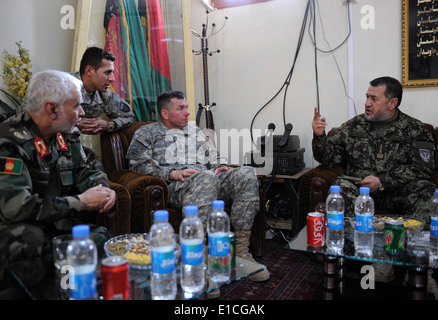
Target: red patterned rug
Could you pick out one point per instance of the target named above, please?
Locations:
(294, 276)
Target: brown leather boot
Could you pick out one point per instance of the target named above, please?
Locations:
(242, 250)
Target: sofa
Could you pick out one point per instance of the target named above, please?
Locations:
(315, 184)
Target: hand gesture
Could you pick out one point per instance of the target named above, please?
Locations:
(318, 123)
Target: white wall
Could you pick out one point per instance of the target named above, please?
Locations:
(257, 49)
(38, 25)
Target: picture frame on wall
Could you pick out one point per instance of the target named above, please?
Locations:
(419, 43)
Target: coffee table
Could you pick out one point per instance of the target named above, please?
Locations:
(140, 281)
(334, 263)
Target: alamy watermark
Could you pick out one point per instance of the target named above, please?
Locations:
(215, 147)
(68, 20)
(368, 20)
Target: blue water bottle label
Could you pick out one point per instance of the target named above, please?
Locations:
(434, 227)
(192, 253)
(219, 245)
(163, 259)
(83, 285)
(335, 220)
(364, 223)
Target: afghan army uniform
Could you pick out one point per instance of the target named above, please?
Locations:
(399, 151)
(40, 181)
(110, 103)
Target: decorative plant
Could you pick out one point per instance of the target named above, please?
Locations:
(16, 76)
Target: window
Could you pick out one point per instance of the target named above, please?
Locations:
(220, 4)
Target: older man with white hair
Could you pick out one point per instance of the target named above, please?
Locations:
(48, 184)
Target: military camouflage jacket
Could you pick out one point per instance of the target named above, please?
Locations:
(397, 151)
(40, 180)
(110, 103)
(156, 150)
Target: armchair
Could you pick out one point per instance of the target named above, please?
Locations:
(147, 193)
(315, 184)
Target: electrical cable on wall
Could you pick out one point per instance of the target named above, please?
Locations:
(310, 10)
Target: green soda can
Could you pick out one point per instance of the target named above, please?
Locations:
(232, 250)
(394, 236)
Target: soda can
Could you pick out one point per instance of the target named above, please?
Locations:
(115, 278)
(315, 229)
(394, 236)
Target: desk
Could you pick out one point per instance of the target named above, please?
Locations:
(334, 264)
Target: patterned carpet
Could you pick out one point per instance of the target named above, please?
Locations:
(294, 276)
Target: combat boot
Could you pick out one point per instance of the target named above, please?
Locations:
(242, 250)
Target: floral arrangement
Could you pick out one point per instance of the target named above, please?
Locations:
(16, 75)
(16, 71)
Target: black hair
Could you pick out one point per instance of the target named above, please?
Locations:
(394, 89)
(93, 57)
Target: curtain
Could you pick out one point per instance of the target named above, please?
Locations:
(135, 35)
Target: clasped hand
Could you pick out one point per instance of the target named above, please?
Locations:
(98, 198)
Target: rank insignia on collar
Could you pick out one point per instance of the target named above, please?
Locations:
(61, 141)
(40, 147)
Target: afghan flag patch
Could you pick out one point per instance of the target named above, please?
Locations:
(11, 165)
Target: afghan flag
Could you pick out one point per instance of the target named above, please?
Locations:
(156, 42)
(142, 63)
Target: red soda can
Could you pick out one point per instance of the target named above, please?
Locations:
(315, 229)
(115, 278)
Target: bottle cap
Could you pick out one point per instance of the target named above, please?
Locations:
(364, 190)
(191, 210)
(218, 204)
(161, 215)
(80, 231)
(335, 188)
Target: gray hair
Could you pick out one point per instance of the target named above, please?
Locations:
(51, 85)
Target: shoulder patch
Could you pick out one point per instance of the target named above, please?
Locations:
(11, 166)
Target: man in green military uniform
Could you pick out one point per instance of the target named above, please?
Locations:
(47, 183)
(181, 154)
(97, 74)
(389, 151)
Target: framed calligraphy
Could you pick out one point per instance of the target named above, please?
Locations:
(420, 43)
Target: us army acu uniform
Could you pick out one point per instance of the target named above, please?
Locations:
(156, 150)
(109, 103)
(39, 183)
(399, 151)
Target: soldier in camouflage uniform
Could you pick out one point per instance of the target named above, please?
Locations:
(181, 154)
(391, 152)
(97, 73)
(47, 183)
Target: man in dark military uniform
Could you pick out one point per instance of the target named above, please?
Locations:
(389, 151)
(47, 184)
(181, 154)
(97, 74)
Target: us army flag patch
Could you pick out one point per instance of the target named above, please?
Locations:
(11, 165)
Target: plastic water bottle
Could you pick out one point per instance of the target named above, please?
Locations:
(433, 249)
(364, 227)
(82, 257)
(335, 220)
(163, 273)
(218, 226)
(191, 238)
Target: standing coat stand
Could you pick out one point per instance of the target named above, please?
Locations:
(205, 53)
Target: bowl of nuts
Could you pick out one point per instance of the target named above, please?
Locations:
(134, 247)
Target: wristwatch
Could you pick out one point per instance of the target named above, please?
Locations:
(111, 126)
(381, 188)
